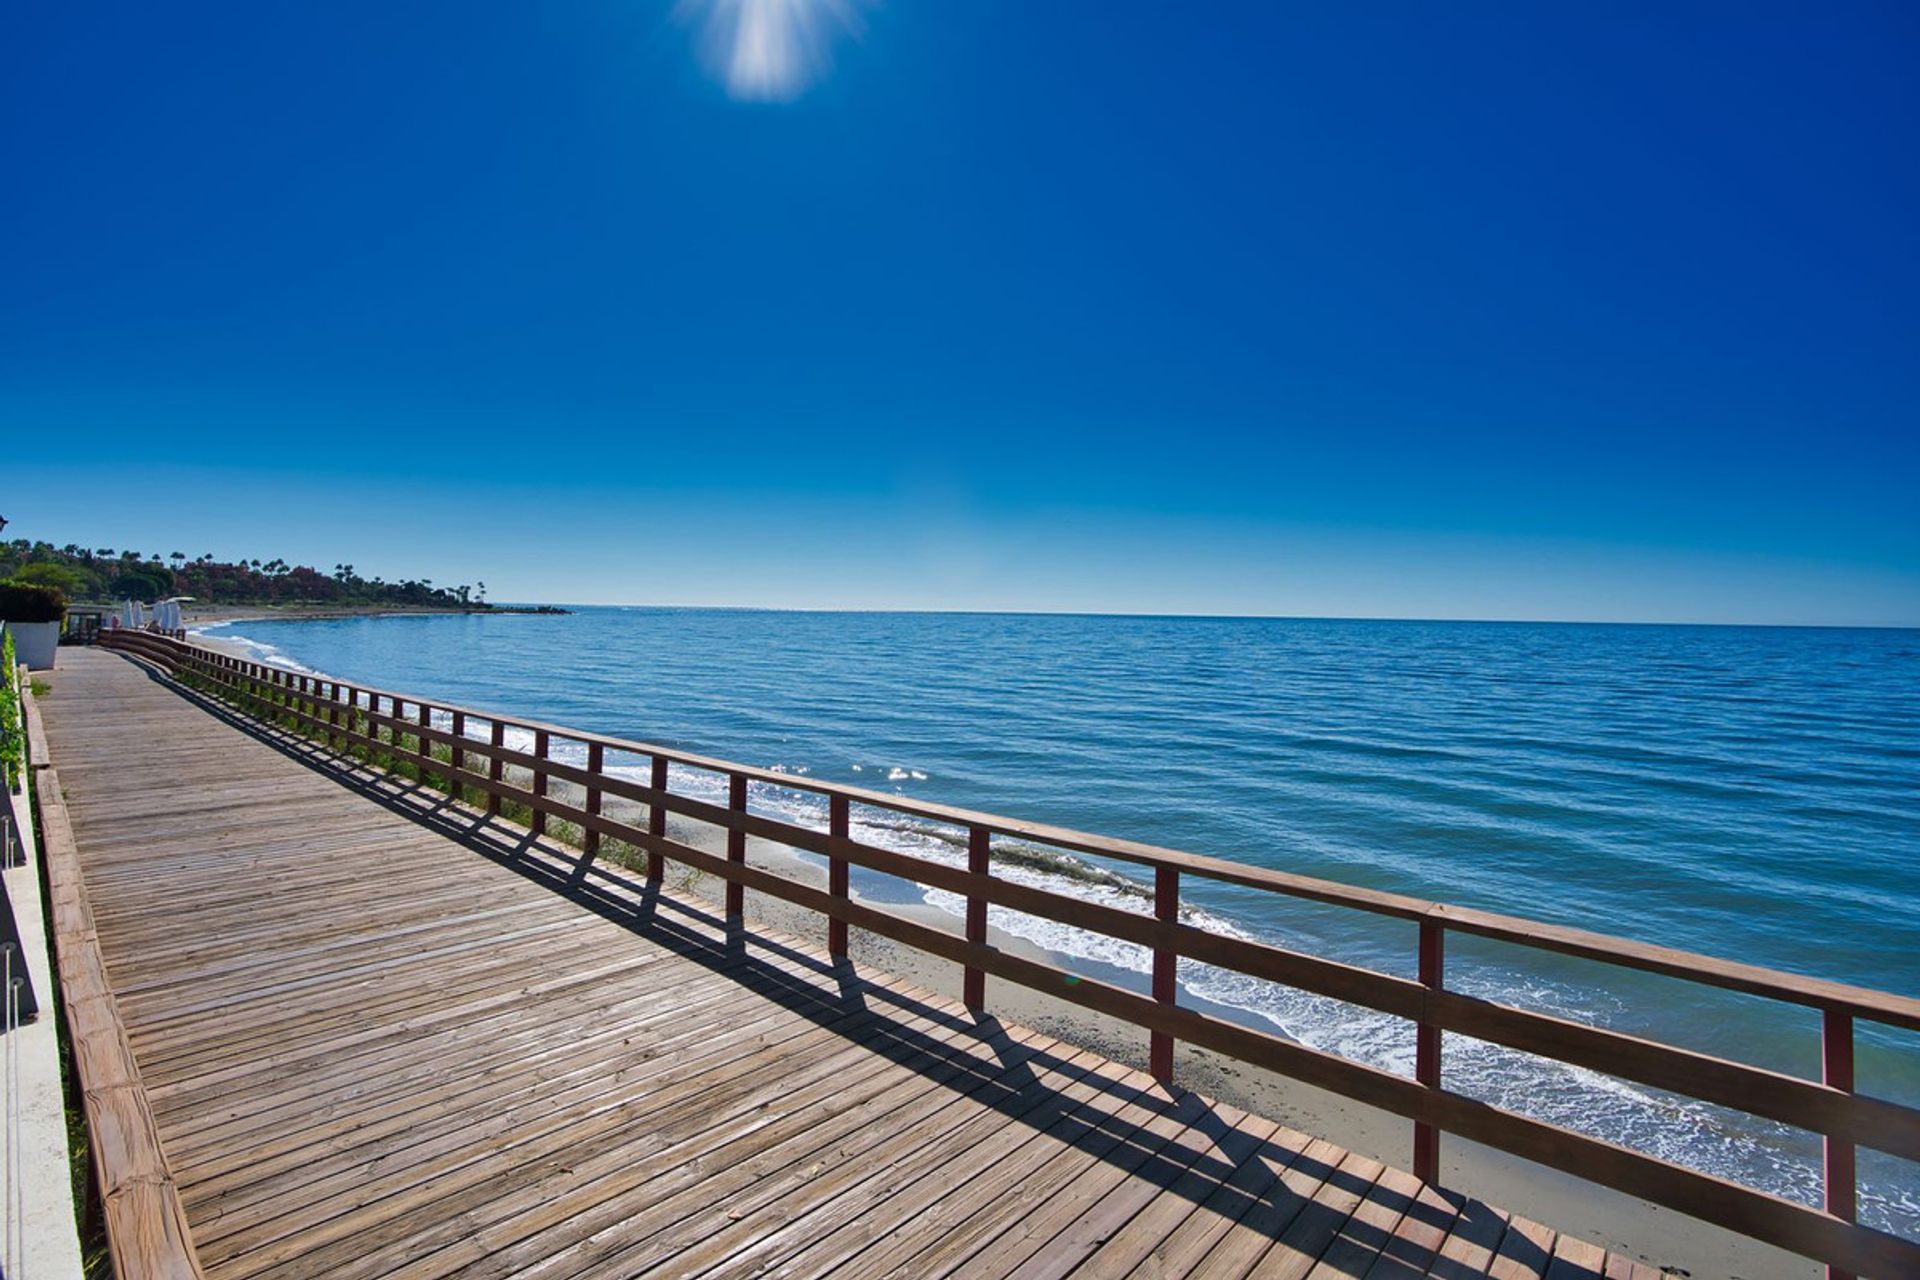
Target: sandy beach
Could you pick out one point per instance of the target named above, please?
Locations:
(194, 615)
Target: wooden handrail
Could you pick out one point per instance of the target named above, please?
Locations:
(1831, 1108)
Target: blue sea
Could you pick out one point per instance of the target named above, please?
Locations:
(1752, 793)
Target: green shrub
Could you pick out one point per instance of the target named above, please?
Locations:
(30, 602)
(12, 749)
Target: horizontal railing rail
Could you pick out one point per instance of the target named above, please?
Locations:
(405, 729)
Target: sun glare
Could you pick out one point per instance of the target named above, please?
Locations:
(769, 50)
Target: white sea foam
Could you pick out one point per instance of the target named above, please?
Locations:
(257, 650)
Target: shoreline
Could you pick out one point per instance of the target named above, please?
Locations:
(1658, 1236)
(209, 614)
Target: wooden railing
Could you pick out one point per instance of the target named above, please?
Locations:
(404, 728)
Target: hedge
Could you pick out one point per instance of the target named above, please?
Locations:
(30, 602)
(12, 748)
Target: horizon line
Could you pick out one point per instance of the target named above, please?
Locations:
(1192, 617)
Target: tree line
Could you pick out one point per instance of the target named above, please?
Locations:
(106, 574)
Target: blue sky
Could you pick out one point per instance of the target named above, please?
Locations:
(1392, 310)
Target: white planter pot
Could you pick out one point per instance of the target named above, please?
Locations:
(34, 643)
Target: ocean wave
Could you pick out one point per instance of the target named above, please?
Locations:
(256, 649)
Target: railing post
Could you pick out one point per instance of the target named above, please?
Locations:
(426, 748)
(838, 826)
(1836, 1072)
(496, 768)
(457, 754)
(657, 819)
(1426, 1063)
(980, 863)
(541, 742)
(736, 844)
(596, 761)
(1166, 990)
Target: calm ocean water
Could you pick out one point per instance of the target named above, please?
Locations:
(1751, 793)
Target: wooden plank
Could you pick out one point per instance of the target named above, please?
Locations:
(1576, 1260)
(1525, 1252)
(1124, 1229)
(1414, 1247)
(539, 1221)
(745, 1179)
(1469, 1249)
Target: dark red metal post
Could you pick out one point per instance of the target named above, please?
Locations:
(1166, 990)
(838, 824)
(426, 748)
(1426, 1058)
(979, 863)
(496, 767)
(1836, 1072)
(736, 843)
(542, 741)
(657, 821)
(596, 759)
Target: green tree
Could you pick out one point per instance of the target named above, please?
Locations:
(70, 582)
(143, 582)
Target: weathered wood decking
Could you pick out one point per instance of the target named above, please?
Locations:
(382, 1036)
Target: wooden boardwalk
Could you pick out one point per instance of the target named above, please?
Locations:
(383, 1036)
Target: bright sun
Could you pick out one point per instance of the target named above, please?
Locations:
(770, 50)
